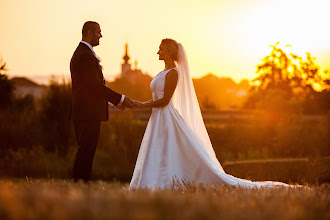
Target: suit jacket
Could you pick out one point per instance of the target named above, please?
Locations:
(90, 96)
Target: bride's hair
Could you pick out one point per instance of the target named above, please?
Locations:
(172, 48)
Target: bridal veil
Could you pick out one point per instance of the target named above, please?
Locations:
(186, 103)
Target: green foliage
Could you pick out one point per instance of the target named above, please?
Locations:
(17, 116)
(287, 78)
(279, 108)
(119, 144)
(36, 162)
(317, 102)
(121, 137)
(54, 113)
(28, 122)
(6, 89)
(287, 72)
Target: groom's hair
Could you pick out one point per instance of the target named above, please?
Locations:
(89, 26)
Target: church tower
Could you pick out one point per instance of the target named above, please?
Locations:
(125, 67)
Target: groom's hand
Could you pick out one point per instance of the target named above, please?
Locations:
(137, 104)
(121, 107)
(128, 103)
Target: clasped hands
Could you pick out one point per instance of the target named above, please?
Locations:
(129, 103)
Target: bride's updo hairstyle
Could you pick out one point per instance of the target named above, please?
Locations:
(171, 47)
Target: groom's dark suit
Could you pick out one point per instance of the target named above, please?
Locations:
(89, 107)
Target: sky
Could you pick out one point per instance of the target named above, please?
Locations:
(225, 37)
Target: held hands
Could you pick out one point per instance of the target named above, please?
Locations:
(129, 103)
(137, 104)
(121, 107)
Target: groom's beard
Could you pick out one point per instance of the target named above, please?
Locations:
(95, 42)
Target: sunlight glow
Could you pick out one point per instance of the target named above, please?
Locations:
(227, 38)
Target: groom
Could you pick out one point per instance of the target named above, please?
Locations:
(90, 99)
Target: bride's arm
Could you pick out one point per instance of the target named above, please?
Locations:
(171, 80)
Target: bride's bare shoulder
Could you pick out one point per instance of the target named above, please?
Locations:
(173, 73)
(172, 76)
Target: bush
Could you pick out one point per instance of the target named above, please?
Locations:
(54, 113)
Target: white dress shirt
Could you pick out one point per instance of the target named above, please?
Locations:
(90, 47)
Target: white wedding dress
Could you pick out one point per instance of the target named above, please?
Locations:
(173, 152)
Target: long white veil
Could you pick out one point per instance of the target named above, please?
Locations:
(186, 103)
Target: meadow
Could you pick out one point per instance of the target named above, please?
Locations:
(63, 199)
(297, 152)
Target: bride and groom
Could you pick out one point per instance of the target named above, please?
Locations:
(175, 148)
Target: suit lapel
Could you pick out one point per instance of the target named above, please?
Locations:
(99, 69)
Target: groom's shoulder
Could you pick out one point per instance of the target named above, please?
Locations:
(82, 51)
(82, 48)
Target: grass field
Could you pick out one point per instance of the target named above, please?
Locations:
(117, 166)
(61, 199)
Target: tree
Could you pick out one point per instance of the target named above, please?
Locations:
(54, 117)
(288, 72)
(2, 66)
(291, 75)
(6, 88)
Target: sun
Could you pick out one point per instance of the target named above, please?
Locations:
(297, 23)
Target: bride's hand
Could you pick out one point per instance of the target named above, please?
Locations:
(137, 104)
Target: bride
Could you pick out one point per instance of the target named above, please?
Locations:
(176, 148)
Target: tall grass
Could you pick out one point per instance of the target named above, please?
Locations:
(38, 163)
(120, 140)
(61, 200)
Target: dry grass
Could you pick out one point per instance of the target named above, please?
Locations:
(61, 199)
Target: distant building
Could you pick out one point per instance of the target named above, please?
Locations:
(126, 69)
(25, 86)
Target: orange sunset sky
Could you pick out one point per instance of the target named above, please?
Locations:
(225, 37)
